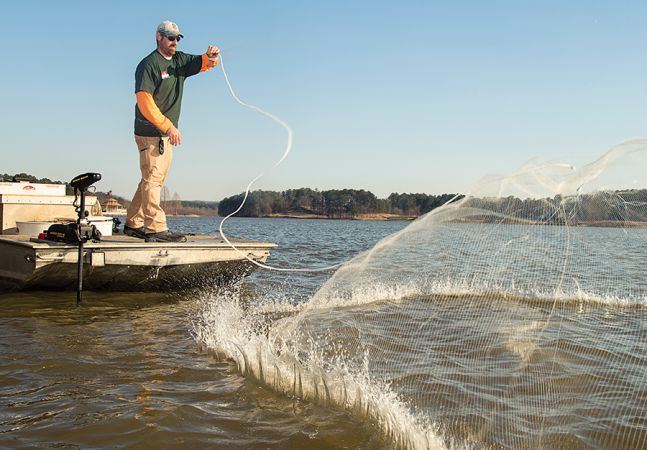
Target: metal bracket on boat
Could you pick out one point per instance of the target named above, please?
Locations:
(98, 259)
(51, 258)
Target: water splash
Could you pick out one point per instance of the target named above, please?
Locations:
(226, 330)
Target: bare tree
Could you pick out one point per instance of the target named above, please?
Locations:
(176, 202)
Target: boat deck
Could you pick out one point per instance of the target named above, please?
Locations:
(121, 240)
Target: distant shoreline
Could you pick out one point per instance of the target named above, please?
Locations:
(378, 217)
(399, 218)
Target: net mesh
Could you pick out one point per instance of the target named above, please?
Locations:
(511, 317)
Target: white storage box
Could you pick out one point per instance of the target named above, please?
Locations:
(32, 228)
(103, 224)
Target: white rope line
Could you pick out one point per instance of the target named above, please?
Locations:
(287, 150)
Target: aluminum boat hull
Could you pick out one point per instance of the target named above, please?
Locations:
(124, 263)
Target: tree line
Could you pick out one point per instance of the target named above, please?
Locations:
(333, 204)
(597, 207)
(601, 206)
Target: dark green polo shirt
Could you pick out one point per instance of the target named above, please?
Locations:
(164, 80)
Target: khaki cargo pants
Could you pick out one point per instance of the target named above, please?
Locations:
(145, 207)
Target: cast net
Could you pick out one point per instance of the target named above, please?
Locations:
(512, 317)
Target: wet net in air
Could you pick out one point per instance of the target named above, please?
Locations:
(514, 316)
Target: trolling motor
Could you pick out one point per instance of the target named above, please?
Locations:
(81, 231)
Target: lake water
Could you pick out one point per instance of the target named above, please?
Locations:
(388, 354)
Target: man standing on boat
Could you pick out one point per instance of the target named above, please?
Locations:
(159, 82)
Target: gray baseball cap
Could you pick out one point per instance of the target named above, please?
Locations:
(168, 28)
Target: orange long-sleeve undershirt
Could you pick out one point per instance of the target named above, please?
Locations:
(149, 109)
(207, 64)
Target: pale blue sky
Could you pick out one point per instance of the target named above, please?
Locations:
(413, 96)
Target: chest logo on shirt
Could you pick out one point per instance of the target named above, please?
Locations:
(164, 74)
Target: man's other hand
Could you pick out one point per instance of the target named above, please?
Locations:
(174, 135)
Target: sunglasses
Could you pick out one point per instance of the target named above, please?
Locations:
(173, 38)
